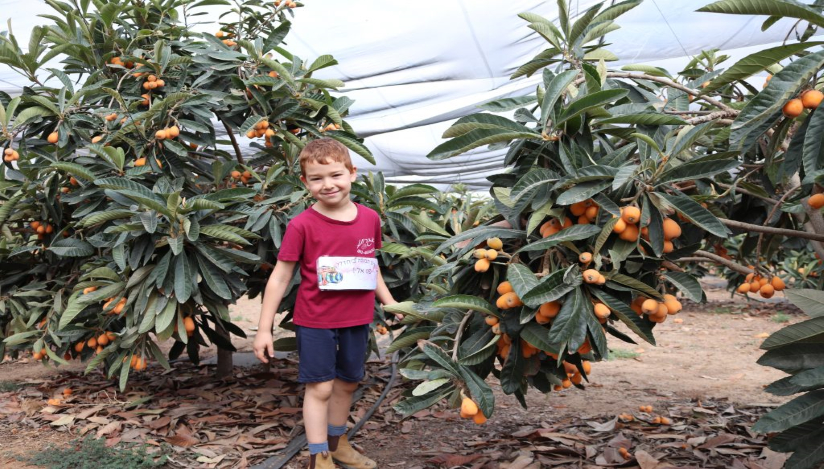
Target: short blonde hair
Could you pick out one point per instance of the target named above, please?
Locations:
(325, 151)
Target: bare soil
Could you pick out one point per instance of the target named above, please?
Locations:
(709, 354)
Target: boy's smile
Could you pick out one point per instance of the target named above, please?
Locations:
(330, 184)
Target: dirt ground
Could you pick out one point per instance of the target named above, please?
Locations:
(709, 354)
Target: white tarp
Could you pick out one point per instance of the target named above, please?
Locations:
(414, 67)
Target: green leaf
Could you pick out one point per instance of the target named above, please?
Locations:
(481, 355)
(556, 88)
(101, 217)
(479, 391)
(351, 143)
(810, 301)
(229, 233)
(694, 170)
(440, 357)
(521, 278)
(183, 278)
(428, 386)
(551, 288)
(466, 124)
(813, 151)
(583, 191)
(409, 338)
(507, 104)
(569, 328)
(794, 357)
(74, 169)
(71, 247)
(413, 405)
(794, 333)
(481, 232)
(538, 336)
(322, 62)
(532, 180)
(688, 285)
(633, 283)
(762, 111)
(755, 63)
(643, 118)
(648, 69)
(593, 100)
(573, 233)
(692, 211)
(795, 412)
(782, 8)
(475, 139)
(465, 302)
(636, 323)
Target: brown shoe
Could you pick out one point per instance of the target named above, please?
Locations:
(348, 456)
(321, 461)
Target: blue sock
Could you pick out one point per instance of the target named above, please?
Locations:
(315, 448)
(333, 430)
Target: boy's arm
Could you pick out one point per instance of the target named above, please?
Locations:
(384, 295)
(272, 296)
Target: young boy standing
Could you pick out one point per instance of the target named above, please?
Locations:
(334, 242)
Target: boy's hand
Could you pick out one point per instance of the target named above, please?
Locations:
(263, 346)
(398, 316)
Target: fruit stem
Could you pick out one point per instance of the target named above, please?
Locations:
(459, 334)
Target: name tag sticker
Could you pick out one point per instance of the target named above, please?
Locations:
(347, 273)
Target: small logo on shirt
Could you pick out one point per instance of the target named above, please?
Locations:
(366, 246)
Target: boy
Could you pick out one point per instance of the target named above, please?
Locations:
(334, 307)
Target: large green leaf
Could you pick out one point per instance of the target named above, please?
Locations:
(569, 329)
(183, 278)
(479, 391)
(813, 152)
(797, 411)
(794, 357)
(415, 404)
(755, 63)
(573, 233)
(507, 104)
(592, 100)
(633, 283)
(794, 333)
(475, 139)
(583, 191)
(694, 170)
(465, 302)
(692, 211)
(481, 233)
(466, 124)
(782, 8)
(523, 280)
(688, 285)
(101, 217)
(532, 180)
(410, 337)
(809, 453)
(636, 323)
(439, 356)
(556, 88)
(71, 247)
(643, 118)
(810, 301)
(761, 112)
(553, 287)
(74, 169)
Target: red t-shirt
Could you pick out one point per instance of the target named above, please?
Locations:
(311, 235)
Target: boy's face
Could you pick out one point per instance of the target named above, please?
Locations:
(329, 184)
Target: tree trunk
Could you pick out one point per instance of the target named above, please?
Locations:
(224, 358)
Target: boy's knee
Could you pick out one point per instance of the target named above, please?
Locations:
(321, 391)
(345, 386)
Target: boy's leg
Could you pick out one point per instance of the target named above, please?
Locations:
(352, 344)
(316, 369)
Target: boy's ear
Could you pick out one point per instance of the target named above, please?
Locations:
(353, 174)
(303, 179)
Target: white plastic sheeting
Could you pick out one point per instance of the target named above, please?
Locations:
(414, 67)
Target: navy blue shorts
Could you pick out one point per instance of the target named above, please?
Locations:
(326, 354)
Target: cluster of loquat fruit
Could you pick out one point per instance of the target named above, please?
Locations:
(228, 42)
(656, 311)
(809, 99)
(766, 287)
(289, 4)
(470, 410)
(42, 228)
(10, 154)
(485, 256)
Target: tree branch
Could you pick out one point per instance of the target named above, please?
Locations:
(768, 229)
(459, 334)
(725, 262)
(234, 141)
(718, 115)
(672, 84)
(744, 191)
(769, 217)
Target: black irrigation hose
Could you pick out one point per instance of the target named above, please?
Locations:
(299, 442)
